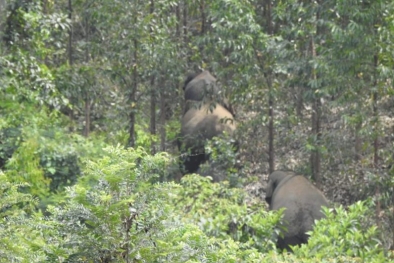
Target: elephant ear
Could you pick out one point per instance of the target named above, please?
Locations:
(268, 191)
(189, 77)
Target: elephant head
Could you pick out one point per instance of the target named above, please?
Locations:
(202, 120)
(302, 202)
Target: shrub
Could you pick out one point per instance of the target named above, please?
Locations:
(115, 214)
(345, 233)
(19, 234)
(224, 212)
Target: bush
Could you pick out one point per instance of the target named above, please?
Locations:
(226, 213)
(9, 141)
(117, 212)
(19, 234)
(345, 233)
(223, 160)
(43, 155)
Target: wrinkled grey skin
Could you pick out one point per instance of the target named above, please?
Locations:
(197, 86)
(303, 202)
(203, 119)
(202, 87)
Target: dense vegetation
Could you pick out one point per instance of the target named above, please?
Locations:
(90, 103)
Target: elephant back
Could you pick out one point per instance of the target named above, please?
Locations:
(199, 124)
(303, 207)
(297, 189)
(302, 202)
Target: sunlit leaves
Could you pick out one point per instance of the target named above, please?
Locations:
(351, 234)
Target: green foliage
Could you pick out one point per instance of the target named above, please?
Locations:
(41, 153)
(340, 52)
(223, 161)
(225, 212)
(18, 234)
(345, 233)
(26, 76)
(144, 139)
(24, 166)
(115, 214)
(10, 138)
(113, 211)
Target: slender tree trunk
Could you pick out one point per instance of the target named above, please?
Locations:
(178, 20)
(163, 113)
(152, 95)
(70, 55)
(202, 11)
(70, 34)
(316, 133)
(86, 88)
(316, 112)
(132, 94)
(376, 116)
(376, 138)
(357, 141)
(153, 113)
(271, 129)
(299, 101)
(316, 129)
(132, 135)
(185, 21)
(3, 16)
(87, 117)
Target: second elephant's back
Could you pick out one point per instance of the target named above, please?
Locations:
(298, 189)
(303, 203)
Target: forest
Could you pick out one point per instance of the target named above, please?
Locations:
(91, 105)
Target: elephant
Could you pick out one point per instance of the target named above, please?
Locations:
(302, 202)
(198, 86)
(202, 87)
(203, 119)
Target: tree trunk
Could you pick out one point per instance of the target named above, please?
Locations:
(376, 139)
(132, 102)
(316, 111)
(316, 133)
(299, 101)
(202, 10)
(271, 131)
(178, 21)
(316, 120)
(163, 113)
(152, 95)
(3, 15)
(87, 87)
(185, 22)
(87, 117)
(70, 34)
(153, 114)
(70, 56)
(357, 140)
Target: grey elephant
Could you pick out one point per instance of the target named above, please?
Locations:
(202, 87)
(205, 116)
(302, 202)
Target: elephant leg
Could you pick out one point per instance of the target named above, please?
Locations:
(192, 163)
(286, 242)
